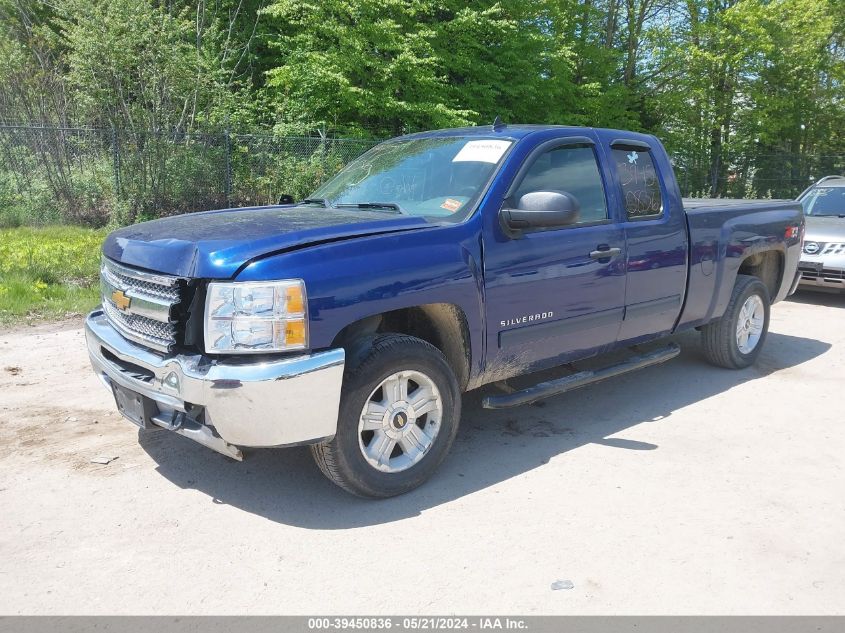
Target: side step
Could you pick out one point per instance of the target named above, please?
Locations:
(581, 379)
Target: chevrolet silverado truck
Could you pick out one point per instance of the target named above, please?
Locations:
(353, 320)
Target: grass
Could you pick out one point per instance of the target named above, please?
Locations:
(48, 273)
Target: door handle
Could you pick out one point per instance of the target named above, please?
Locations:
(605, 253)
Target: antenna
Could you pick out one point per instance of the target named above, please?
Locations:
(498, 124)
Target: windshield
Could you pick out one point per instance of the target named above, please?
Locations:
(825, 201)
(430, 177)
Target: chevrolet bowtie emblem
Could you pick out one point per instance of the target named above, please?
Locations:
(120, 300)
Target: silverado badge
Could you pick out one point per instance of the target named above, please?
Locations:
(121, 300)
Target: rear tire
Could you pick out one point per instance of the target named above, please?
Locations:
(735, 340)
(399, 414)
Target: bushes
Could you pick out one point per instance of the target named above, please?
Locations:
(52, 175)
(95, 177)
(262, 175)
(84, 202)
(25, 198)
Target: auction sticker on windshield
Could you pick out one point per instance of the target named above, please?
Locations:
(486, 151)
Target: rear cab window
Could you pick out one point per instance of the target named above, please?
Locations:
(639, 181)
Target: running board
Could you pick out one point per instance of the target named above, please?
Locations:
(581, 379)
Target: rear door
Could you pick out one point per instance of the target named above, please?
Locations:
(555, 294)
(656, 238)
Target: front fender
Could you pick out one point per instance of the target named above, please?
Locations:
(350, 280)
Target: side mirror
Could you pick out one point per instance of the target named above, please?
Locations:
(540, 210)
(286, 199)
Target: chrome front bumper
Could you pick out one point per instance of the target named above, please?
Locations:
(814, 274)
(249, 403)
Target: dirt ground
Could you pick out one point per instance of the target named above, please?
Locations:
(680, 489)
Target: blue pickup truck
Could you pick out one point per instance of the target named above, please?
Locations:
(352, 321)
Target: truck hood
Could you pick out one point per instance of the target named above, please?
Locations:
(216, 244)
(824, 229)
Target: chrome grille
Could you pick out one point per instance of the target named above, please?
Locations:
(833, 248)
(171, 293)
(140, 304)
(160, 334)
(811, 247)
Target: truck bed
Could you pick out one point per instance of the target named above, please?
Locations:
(723, 233)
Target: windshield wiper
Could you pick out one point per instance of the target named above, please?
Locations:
(323, 202)
(374, 205)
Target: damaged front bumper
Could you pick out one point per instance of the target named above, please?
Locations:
(224, 404)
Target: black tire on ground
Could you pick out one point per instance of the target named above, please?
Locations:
(368, 364)
(719, 339)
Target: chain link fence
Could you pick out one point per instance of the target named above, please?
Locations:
(95, 176)
(783, 175)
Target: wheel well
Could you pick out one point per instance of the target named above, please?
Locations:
(767, 267)
(444, 325)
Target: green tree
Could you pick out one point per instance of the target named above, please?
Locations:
(368, 65)
(743, 77)
(796, 116)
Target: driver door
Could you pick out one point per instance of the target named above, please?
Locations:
(553, 295)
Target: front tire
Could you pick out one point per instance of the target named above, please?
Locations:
(399, 414)
(735, 340)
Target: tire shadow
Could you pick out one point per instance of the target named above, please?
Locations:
(285, 485)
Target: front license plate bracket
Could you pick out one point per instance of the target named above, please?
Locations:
(134, 407)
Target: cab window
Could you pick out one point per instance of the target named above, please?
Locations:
(640, 187)
(573, 170)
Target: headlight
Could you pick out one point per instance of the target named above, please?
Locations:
(253, 317)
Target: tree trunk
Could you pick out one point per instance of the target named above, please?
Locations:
(611, 23)
(720, 128)
(583, 31)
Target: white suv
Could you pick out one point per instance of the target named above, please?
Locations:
(823, 258)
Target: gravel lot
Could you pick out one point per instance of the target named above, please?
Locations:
(679, 489)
